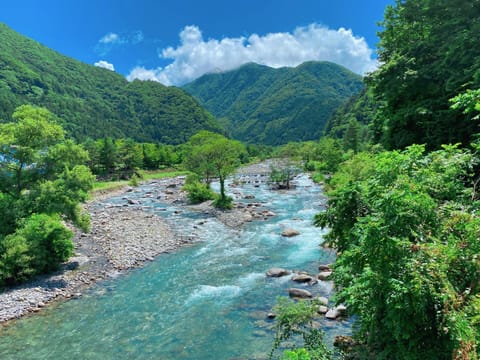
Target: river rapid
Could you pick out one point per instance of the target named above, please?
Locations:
(206, 301)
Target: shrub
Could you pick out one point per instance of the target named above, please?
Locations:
(39, 245)
(198, 192)
(224, 203)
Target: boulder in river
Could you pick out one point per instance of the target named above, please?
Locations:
(322, 309)
(336, 312)
(299, 293)
(324, 267)
(302, 278)
(290, 232)
(324, 275)
(277, 272)
(322, 300)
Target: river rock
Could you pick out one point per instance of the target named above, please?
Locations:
(324, 275)
(290, 232)
(300, 293)
(336, 312)
(302, 278)
(322, 300)
(322, 309)
(268, 213)
(271, 315)
(324, 267)
(277, 272)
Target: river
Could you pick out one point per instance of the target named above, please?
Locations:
(206, 301)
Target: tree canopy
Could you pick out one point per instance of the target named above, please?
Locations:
(43, 180)
(212, 155)
(429, 53)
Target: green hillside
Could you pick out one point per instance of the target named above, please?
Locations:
(91, 101)
(259, 104)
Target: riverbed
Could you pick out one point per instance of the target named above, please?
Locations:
(206, 301)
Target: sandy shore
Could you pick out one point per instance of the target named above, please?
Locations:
(123, 236)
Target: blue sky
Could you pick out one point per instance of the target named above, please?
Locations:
(176, 41)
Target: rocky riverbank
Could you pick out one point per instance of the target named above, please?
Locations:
(124, 235)
(121, 238)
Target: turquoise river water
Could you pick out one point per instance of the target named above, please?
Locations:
(206, 301)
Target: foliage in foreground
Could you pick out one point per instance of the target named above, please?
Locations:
(407, 226)
(295, 320)
(42, 182)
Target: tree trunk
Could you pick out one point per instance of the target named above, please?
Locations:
(222, 187)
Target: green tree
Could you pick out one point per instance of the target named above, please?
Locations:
(108, 155)
(429, 53)
(92, 147)
(130, 156)
(43, 181)
(214, 155)
(295, 319)
(351, 137)
(330, 153)
(22, 147)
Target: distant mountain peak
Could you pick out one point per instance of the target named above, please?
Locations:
(261, 104)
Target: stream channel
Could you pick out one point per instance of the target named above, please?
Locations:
(206, 301)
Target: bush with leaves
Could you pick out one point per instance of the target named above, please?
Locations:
(295, 320)
(223, 203)
(39, 245)
(407, 228)
(197, 192)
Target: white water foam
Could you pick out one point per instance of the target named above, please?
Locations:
(209, 292)
(249, 280)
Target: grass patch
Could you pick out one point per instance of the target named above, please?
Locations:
(161, 174)
(108, 185)
(101, 186)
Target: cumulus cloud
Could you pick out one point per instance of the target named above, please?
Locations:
(195, 56)
(104, 64)
(112, 40)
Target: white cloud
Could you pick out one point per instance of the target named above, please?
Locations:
(112, 40)
(104, 64)
(196, 56)
(109, 38)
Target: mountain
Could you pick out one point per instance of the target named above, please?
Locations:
(259, 104)
(91, 101)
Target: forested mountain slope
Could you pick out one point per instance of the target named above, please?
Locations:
(259, 104)
(91, 101)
